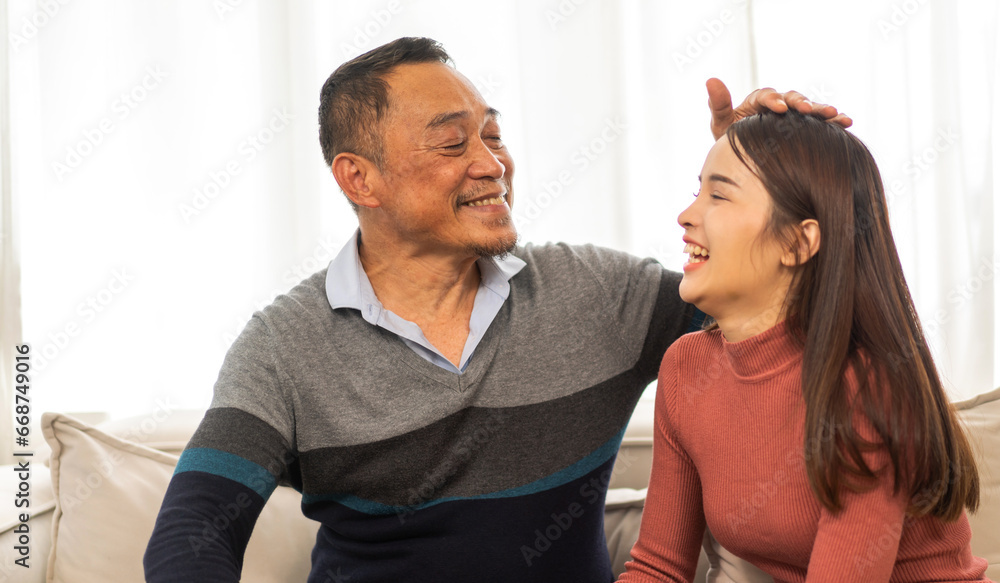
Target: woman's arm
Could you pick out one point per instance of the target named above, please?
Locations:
(673, 522)
(859, 543)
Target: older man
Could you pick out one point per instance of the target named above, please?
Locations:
(443, 399)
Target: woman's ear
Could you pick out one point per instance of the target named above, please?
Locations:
(357, 177)
(807, 240)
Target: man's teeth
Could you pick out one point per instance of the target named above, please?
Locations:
(698, 254)
(486, 201)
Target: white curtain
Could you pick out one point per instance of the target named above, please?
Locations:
(166, 164)
(919, 79)
(10, 284)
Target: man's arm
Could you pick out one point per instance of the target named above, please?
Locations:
(723, 114)
(232, 464)
(202, 530)
(641, 301)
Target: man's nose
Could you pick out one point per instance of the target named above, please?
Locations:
(485, 163)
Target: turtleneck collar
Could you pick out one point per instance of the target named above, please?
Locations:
(763, 355)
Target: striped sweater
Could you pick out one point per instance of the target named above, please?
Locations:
(417, 473)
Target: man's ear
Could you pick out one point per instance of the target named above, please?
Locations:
(357, 176)
(807, 241)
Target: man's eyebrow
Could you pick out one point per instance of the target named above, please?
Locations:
(720, 178)
(450, 116)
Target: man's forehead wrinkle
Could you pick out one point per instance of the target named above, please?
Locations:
(447, 117)
(415, 92)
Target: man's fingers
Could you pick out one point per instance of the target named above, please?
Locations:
(719, 99)
(802, 104)
(841, 120)
(762, 99)
(720, 102)
(798, 102)
(770, 99)
(723, 114)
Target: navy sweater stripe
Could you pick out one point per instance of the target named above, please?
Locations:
(213, 517)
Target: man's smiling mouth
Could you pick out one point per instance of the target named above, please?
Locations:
(496, 200)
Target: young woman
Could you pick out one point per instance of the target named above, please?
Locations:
(807, 428)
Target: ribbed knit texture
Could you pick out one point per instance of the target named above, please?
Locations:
(729, 454)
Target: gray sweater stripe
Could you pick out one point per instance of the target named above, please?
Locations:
(237, 432)
(475, 451)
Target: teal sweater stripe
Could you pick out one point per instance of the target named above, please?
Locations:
(227, 465)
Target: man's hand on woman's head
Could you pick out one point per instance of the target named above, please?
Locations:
(723, 114)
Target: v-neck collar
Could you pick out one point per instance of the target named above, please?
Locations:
(398, 352)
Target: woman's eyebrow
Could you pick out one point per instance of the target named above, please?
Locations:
(720, 178)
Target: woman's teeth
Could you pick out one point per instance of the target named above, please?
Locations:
(697, 254)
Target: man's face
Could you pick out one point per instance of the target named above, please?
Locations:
(446, 186)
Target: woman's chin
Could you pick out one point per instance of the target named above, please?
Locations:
(689, 295)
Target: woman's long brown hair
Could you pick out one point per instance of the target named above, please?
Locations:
(850, 308)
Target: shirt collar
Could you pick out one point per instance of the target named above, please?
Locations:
(348, 286)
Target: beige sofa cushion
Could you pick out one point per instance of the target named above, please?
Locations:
(635, 456)
(981, 416)
(622, 515)
(108, 492)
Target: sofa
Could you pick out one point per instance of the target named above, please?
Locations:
(95, 489)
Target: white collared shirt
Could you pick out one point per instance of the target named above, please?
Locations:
(348, 286)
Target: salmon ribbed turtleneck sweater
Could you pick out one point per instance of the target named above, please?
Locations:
(729, 453)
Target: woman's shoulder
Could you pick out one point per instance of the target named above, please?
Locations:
(702, 339)
(693, 347)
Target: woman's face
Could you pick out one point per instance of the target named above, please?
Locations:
(735, 270)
